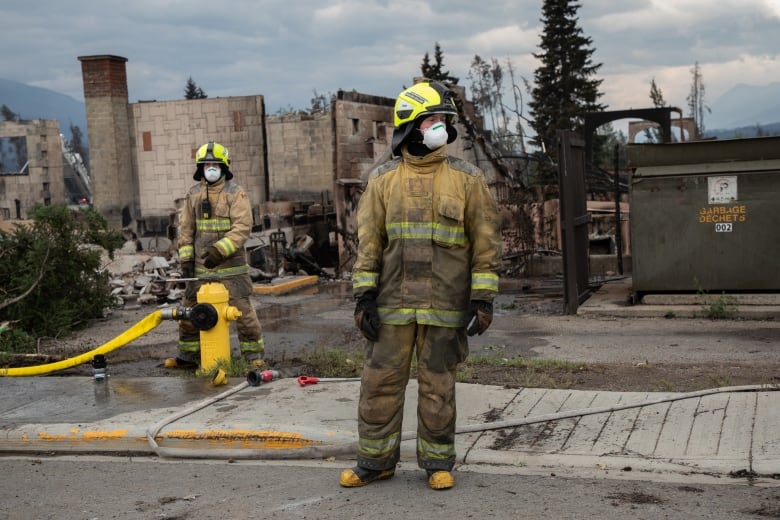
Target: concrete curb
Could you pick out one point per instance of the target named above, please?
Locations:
(614, 299)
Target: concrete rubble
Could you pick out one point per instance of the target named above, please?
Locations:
(147, 271)
(144, 278)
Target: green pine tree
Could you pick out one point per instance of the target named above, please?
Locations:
(193, 91)
(435, 71)
(564, 84)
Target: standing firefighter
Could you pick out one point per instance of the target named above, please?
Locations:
(213, 226)
(425, 278)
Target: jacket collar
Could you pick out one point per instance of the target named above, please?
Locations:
(216, 187)
(427, 163)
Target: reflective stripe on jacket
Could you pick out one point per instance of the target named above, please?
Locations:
(227, 227)
(428, 239)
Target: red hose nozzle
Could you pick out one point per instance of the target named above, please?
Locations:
(257, 377)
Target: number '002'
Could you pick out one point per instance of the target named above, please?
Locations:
(723, 227)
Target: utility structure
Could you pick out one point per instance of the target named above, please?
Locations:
(575, 161)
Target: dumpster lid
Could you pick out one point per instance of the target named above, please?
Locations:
(755, 150)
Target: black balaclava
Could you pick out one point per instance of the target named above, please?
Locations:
(414, 141)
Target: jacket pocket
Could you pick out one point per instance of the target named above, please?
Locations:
(222, 208)
(448, 230)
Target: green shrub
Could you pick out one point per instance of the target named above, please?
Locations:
(51, 281)
(722, 308)
(14, 340)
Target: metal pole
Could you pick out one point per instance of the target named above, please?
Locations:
(618, 227)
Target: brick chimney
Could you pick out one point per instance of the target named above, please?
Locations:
(114, 185)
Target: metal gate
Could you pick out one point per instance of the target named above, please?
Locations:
(574, 220)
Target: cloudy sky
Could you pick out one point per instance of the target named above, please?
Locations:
(287, 50)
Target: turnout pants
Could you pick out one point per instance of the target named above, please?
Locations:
(383, 387)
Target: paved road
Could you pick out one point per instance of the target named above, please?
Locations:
(138, 488)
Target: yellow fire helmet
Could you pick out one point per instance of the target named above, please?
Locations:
(417, 102)
(212, 152)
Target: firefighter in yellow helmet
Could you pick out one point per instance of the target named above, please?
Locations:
(425, 277)
(214, 224)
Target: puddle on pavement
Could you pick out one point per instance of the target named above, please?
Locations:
(80, 399)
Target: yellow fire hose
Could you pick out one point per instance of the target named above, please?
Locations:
(136, 331)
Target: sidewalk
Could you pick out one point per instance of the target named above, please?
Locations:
(542, 431)
(614, 297)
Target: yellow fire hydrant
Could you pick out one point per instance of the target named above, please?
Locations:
(215, 340)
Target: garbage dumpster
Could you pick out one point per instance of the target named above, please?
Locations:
(705, 216)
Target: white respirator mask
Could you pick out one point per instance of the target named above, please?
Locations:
(212, 173)
(435, 136)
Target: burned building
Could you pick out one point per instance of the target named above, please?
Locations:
(301, 171)
(31, 167)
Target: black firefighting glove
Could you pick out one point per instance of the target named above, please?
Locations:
(188, 269)
(212, 258)
(480, 317)
(367, 316)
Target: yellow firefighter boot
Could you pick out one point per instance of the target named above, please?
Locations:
(440, 479)
(358, 477)
(257, 364)
(178, 362)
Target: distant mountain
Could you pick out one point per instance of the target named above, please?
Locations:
(742, 132)
(40, 103)
(744, 106)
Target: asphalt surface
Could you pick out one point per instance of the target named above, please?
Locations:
(719, 432)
